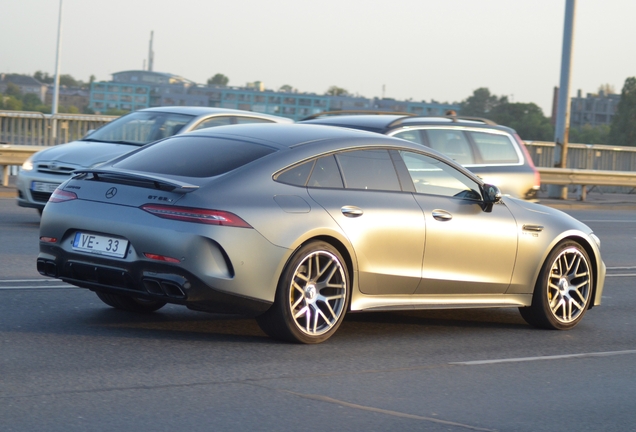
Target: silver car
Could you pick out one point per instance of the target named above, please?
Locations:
(299, 224)
(495, 153)
(45, 170)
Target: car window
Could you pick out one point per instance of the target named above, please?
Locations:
(495, 148)
(410, 135)
(297, 176)
(325, 174)
(368, 169)
(432, 176)
(228, 120)
(452, 143)
(141, 127)
(193, 156)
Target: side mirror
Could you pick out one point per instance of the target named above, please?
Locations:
(491, 195)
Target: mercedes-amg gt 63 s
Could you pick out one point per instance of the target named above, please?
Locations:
(298, 224)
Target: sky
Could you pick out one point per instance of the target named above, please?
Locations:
(422, 50)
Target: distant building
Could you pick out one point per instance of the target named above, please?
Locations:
(69, 96)
(27, 84)
(133, 90)
(593, 109)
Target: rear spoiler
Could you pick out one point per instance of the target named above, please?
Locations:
(127, 177)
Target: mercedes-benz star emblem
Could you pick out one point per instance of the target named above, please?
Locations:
(111, 192)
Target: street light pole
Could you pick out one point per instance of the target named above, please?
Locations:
(56, 89)
(562, 129)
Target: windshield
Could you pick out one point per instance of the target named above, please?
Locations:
(141, 127)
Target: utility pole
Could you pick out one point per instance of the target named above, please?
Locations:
(56, 89)
(151, 54)
(562, 129)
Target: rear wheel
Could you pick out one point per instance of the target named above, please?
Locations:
(312, 296)
(130, 304)
(563, 291)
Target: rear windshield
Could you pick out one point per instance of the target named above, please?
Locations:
(194, 156)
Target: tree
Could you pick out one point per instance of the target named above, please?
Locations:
(525, 118)
(337, 91)
(588, 134)
(68, 81)
(13, 90)
(607, 89)
(623, 128)
(481, 103)
(43, 77)
(286, 88)
(12, 103)
(30, 102)
(218, 79)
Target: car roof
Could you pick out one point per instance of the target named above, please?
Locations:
(383, 123)
(203, 111)
(286, 135)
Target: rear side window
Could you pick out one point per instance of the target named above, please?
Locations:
(368, 169)
(452, 143)
(495, 148)
(412, 135)
(194, 156)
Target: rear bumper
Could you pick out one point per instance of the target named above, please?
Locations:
(146, 280)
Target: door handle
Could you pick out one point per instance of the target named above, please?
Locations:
(351, 211)
(442, 215)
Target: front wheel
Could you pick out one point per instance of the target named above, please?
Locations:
(563, 290)
(312, 296)
(130, 304)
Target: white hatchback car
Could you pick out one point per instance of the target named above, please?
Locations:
(42, 173)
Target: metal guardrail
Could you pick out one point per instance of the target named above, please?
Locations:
(585, 156)
(34, 128)
(14, 155)
(584, 178)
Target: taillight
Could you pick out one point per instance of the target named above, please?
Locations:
(197, 215)
(60, 195)
(161, 258)
(526, 153)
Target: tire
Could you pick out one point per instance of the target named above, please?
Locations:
(312, 297)
(130, 304)
(563, 291)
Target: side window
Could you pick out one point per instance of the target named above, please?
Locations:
(325, 174)
(413, 135)
(215, 121)
(495, 148)
(296, 176)
(452, 143)
(368, 169)
(432, 176)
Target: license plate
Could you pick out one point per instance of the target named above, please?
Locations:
(101, 245)
(44, 187)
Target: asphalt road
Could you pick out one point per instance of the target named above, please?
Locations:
(70, 363)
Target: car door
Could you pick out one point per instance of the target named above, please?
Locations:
(361, 191)
(468, 250)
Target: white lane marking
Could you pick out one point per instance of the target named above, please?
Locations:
(622, 268)
(35, 287)
(621, 275)
(608, 221)
(34, 280)
(384, 411)
(556, 357)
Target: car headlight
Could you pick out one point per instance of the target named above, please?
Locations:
(28, 165)
(596, 240)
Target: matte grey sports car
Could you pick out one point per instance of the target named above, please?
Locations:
(298, 224)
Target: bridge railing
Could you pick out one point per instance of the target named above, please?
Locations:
(34, 128)
(585, 156)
